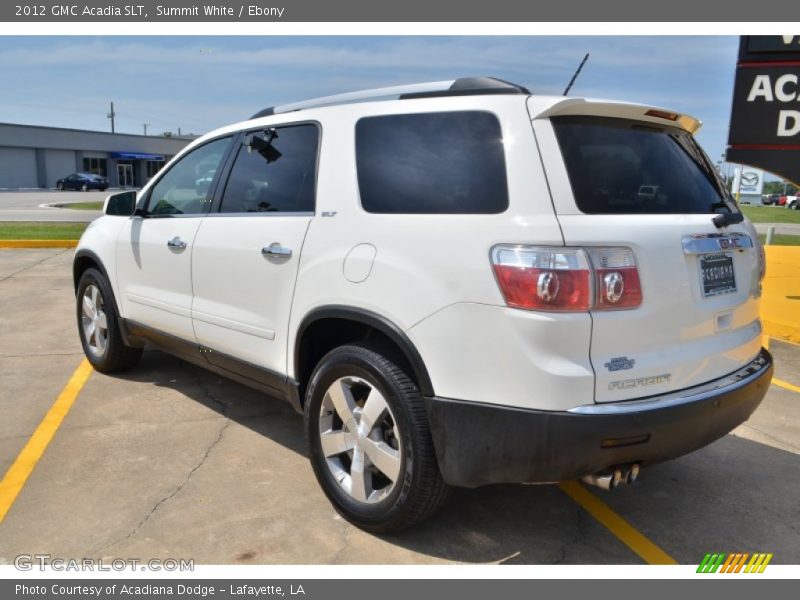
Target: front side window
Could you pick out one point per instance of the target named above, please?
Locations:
(618, 166)
(432, 163)
(274, 172)
(186, 188)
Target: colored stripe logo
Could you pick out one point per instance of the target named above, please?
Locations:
(736, 562)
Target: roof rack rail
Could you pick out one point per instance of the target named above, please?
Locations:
(465, 86)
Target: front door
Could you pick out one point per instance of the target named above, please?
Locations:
(155, 250)
(125, 174)
(246, 255)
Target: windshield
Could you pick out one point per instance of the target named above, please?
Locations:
(617, 166)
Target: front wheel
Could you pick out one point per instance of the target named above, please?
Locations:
(371, 447)
(60, 186)
(84, 188)
(99, 328)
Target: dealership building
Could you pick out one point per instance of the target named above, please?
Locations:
(36, 157)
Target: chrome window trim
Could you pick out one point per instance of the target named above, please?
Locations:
(263, 214)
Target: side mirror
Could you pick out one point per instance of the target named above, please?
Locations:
(122, 204)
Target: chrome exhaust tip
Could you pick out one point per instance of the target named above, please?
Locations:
(633, 474)
(605, 481)
(608, 480)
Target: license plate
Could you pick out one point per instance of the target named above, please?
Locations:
(717, 275)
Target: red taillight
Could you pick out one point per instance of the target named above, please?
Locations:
(617, 278)
(567, 279)
(537, 278)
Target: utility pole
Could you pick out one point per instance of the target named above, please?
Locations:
(145, 127)
(179, 131)
(111, 116)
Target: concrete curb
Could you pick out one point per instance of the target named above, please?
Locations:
(38, 243)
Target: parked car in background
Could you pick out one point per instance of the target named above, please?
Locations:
(791, 202)
(83, 182)
(781, 201)
(770, 199)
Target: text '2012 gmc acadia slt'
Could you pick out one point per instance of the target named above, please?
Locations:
(458, 283)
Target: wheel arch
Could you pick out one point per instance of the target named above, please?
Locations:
(86, 259)
(362, 322)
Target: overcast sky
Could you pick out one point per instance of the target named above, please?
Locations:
(200, 83)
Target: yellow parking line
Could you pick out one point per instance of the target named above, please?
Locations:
(26, 460)
(624, 531)
(38, 243)
(786, 385)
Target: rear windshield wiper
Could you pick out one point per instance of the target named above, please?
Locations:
(725, 219)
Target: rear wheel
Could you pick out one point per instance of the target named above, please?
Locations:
(99, 328)
(371, 447)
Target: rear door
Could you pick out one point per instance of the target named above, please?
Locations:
(643, 185)
(247, 251)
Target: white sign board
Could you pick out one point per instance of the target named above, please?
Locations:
(748, 181)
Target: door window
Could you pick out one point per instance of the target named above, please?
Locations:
(274, 172)
(185, 189)
(432, 163)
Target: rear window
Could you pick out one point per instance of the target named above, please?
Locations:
(617, 166)
(432, 163)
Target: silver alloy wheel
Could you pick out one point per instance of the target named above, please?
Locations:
(359, 439)
(94, 321)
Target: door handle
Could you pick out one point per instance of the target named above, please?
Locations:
(176, 243)
(276, 250)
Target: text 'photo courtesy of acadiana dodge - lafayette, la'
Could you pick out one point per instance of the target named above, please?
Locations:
(139, 10)
(136, 591)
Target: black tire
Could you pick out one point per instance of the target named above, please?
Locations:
(116, 356)
(419, 490)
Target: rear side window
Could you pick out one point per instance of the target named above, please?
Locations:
(432, 163)
(275, 172)
(617, 166)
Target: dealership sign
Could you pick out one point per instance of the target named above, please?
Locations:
(749, 182)
(765, 120)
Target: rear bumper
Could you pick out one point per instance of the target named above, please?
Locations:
(478, 444)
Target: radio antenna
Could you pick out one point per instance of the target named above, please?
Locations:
(575, 76)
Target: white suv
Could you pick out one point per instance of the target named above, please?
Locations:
(458, 283)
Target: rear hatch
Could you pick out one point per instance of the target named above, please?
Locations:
(637, 179)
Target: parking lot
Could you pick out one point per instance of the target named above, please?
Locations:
(171, 461)
(36, 206)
